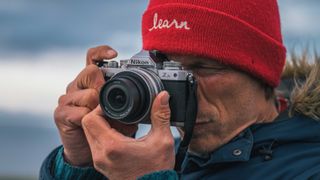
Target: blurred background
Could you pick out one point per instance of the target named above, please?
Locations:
(43, 46)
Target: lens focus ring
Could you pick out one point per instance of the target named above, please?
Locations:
(128, 95)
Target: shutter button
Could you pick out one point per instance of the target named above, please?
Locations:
(237, 152)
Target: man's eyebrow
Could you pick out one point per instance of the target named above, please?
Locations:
(203, 63)
(191, 64)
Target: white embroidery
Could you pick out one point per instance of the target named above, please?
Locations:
(165, 23)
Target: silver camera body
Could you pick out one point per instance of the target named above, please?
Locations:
(130, 88)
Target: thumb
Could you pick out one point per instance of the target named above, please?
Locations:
(160, 113)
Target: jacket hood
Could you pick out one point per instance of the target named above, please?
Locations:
(305, 98)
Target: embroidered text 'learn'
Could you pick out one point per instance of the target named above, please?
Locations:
(165, 23)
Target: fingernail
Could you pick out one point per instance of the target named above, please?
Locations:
(165, 98)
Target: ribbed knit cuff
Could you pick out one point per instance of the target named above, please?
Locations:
(160, 175)
(63, 170)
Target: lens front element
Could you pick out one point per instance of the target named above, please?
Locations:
(117, 98)
(128, 95)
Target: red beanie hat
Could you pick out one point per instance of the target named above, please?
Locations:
(244, 34)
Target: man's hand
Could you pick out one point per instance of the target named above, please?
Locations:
(120, 157)
(82, 96)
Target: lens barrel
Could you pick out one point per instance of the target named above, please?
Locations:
(128, 95)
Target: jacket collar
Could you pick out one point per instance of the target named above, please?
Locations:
(239, 149)
(261, 135)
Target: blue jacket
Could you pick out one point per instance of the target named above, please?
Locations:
(288, 148)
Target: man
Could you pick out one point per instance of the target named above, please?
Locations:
(235, 50)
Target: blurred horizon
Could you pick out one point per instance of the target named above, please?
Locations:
(43, 46)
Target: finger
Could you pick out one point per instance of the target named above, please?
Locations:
(160, 113)
(90, 77)
(98, 130)
(84, 98)
(99, 53)
(70, 115)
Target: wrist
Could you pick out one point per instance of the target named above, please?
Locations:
(77, 159)
(63, 170)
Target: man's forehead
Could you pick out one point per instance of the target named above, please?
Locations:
(193, 60)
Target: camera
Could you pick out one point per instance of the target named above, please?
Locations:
(132, 85)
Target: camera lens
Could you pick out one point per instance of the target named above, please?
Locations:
(128, 95)
(117, 98)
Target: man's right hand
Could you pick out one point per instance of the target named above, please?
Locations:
(82, 96)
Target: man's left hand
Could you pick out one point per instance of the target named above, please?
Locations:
(121, 157)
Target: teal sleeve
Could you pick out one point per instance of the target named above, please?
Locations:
(63, 170)
(160, 175)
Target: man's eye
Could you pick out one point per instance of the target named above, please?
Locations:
(204, 71)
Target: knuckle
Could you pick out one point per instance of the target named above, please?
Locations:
(57, 115)
(64, 117)
(61, 119)
(61, 115)
(68, 117)
(62, 99)
(163, 114)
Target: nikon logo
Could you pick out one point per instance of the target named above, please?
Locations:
(138, 62)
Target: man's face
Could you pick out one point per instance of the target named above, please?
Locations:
(226, 102)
